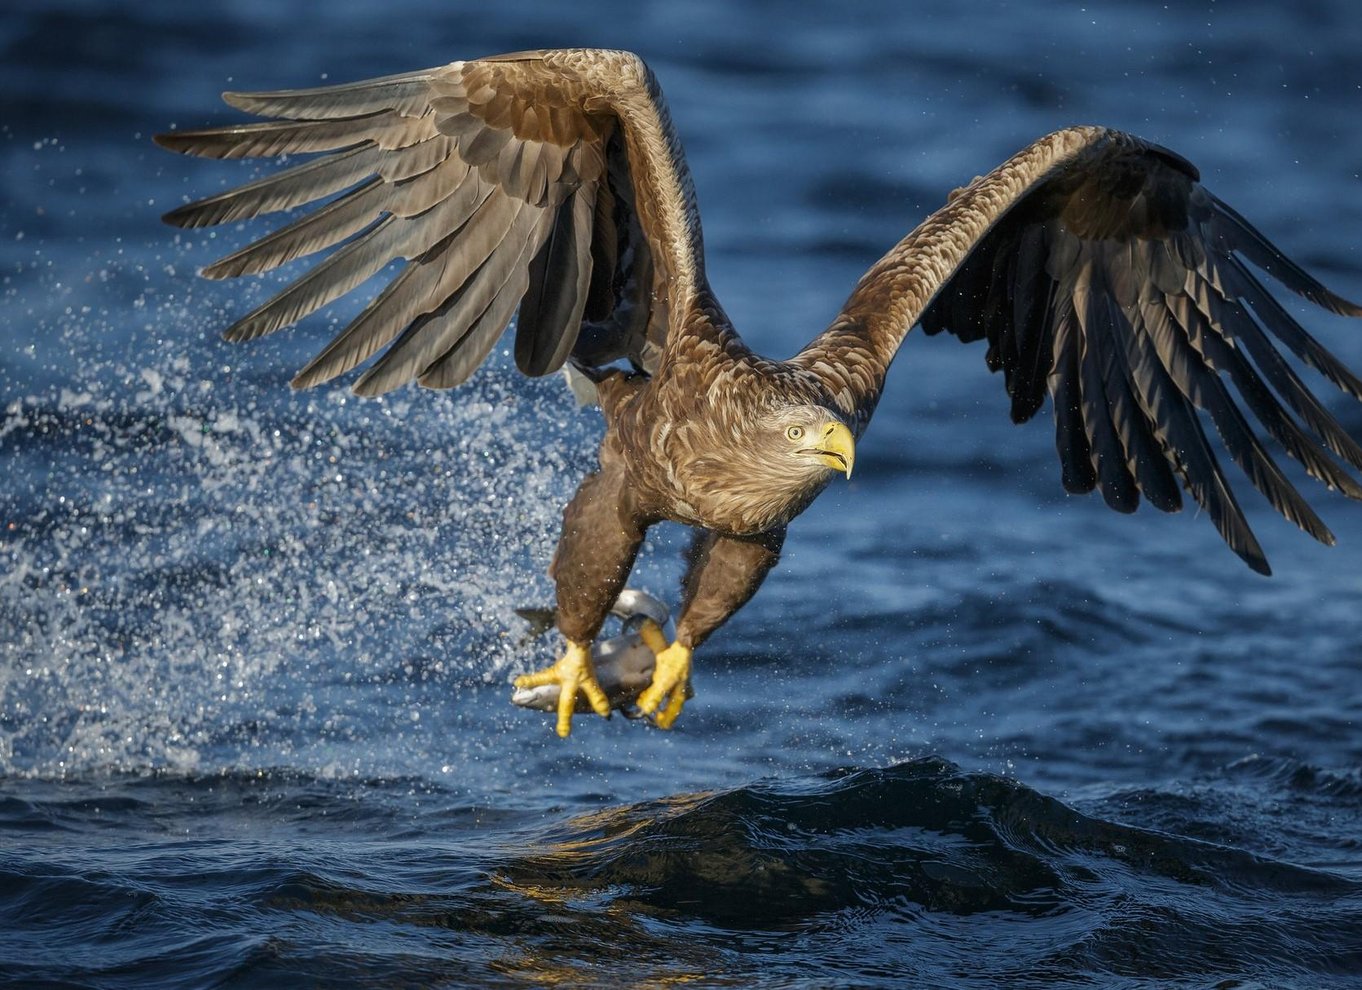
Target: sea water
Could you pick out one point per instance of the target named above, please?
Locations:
(255, 645)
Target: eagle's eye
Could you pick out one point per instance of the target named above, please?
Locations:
(795, 433)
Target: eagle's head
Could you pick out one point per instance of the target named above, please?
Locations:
(757, 470)
(806, 441)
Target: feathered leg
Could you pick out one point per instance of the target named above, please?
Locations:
(596, 551)
(724, 572)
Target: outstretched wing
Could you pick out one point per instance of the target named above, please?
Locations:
(551, 182)
(1100, 270)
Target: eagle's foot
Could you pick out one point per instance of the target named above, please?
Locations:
(671, 679)
(572, 673)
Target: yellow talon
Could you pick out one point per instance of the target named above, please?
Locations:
(671, 678)
(572, 673)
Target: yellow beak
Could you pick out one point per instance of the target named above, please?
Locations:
(836, 448)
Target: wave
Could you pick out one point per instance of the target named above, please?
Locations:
(887, 856)
(919, 871)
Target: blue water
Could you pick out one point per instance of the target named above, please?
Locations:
(255, 646)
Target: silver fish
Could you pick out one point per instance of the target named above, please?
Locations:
(624, 664)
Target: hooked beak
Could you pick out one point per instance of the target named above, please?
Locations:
(836, 448)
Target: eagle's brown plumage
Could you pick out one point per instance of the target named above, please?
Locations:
(1097, 267)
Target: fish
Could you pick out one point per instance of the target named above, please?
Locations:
(624, 663)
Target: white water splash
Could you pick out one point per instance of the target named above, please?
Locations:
(194, 566)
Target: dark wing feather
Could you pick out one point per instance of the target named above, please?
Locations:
(559, 279)
(502, 183)
(1032, 303)
(1071, 440)
(1104, 397)
(1181, 434)
(626, 315)
(1198, 381)
(1147, 469)
(1101, 271)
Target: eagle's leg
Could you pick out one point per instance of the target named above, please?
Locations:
(723, 573)
(596, 551)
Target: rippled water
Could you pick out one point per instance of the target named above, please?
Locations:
(254, 646)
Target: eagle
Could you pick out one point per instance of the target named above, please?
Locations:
(552, 185)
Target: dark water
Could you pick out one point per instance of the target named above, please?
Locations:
(254, 646)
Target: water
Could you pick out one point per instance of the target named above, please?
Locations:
(254, 646)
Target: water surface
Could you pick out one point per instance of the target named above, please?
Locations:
(255, 645)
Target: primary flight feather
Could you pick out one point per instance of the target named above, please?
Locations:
(1098, 268)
